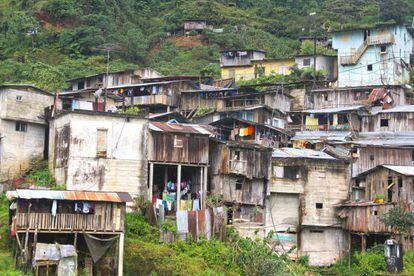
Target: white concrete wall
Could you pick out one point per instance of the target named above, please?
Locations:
(323, 245)
(282, 212)
(123, 169)
(18, 148)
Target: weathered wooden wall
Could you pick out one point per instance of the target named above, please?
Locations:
(370, 157)
(252, 190)
(253, 163)
(193, 149)
(396, 122)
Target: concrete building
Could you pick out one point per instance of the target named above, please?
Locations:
(308, 184)
(23, 129)
(376, 56)
(98, 151)
(327, 64)
(251, 64)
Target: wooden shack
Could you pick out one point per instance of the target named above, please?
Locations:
(178, 157)
(371, 149)
(397, 119)
(373, 194)
(230, 99)
(239, 174)
(362, 95)
(69, 218)
(240, 130)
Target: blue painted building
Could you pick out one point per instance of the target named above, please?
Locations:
(377, 56)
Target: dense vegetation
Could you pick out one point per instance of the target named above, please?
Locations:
(46, 42)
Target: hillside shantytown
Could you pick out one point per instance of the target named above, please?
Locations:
(315, 164)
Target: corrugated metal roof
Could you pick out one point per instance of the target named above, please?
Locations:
(300, 153)
(404, 170)
(70, 195)
(339, 136)
(399, 108)
(333, 110)
(385, 139)
(181, 128)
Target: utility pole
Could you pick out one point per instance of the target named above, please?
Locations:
(108, 47)
(313, 15)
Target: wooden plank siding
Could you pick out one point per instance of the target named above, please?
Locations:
(366, 219)
(68, 222)
(370, 157)
(396, 122)
(178, 148)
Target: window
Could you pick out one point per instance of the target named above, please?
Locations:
(306, 62)
(239, 183)
(21, 127)
(291, 172)
(369, 67)
(19, 98)
(178, 143)
(371, 157)
(319, 205)
(236, 155)
(375, 213)
(383, 49)
(384, 122)
(232, 73)
(412, 155)
(81, 85)
(101, 143)
(316, 231)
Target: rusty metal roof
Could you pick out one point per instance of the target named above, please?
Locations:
(181, 128)
(362, 204)
(70, 195)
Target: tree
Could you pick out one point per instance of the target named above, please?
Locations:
(400, 221)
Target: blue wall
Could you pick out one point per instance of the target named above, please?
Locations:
(385, 67)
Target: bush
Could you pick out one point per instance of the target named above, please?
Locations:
(371, 262)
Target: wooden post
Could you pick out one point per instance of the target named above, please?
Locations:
(205, 187)
(364, 242)
(201, 185)
(121, 255)
(34, 242)
(151, 181)
(26, 242)
(349, 250)
(178, 186)
(75, 241)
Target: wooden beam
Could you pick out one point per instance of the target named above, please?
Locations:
(178, 186)
(151, 181)
(121, 255)
(204, 198)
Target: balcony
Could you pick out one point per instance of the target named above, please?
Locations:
(156, 100)
(68, 222)
(370, 41)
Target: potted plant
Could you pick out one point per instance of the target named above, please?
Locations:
(379, 198)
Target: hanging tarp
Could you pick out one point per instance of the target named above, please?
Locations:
(97, 246)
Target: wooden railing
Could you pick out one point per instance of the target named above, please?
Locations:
(68, 222)
(156, 99)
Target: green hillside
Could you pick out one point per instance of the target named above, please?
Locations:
(46, 42)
